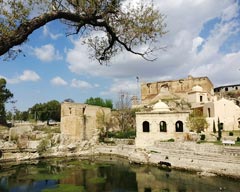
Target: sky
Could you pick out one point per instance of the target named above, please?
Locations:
(203, 39)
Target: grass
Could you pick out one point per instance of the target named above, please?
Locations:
(65, 188)
(83, 165)
(48, 129)
(97, 180)
(3, 128)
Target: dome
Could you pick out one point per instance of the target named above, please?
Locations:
(160, 107)
(197, 88)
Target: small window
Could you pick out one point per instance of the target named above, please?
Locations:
(146, 126)
(209, 112)
(163, 126)
(201, 98)
(236, 88)
(179, 126)
(226, 88)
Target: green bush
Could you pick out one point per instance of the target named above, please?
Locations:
(238, 139)
(230, 133)
(171, 140)
(122, 134)
(42, 147)
(202, 137)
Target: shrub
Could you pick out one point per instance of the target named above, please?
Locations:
(202, 137)
(171, 140)
(238, 139)
(122, 134)
(230, 133)
(42, 147)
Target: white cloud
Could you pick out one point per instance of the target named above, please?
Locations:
(230, 12)
(123, 85)
(47, 32)
(47, 53)
(58, 81)
(80, 84)
(196, 43)
(187, 52)
(29, 75)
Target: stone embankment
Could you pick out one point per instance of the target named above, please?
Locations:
(207, 159)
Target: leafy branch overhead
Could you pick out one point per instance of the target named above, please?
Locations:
(107, 26)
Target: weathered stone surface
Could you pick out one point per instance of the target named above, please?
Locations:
(33, 144)
(20, 130)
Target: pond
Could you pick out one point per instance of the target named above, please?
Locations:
(105, 174)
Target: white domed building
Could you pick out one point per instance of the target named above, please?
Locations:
(160, 124)
(198, 97)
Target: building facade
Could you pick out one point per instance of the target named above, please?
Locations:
(227, 88)
(160, 124)
(79, 121)
(224, 110)
(174, 88)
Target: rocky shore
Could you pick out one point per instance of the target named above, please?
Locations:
(204, 159)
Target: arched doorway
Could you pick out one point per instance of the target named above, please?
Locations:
(163, 126)
(179, 126)
(146, 126)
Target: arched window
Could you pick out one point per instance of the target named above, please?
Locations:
(163, 126)
(179, 126)
(146, 126)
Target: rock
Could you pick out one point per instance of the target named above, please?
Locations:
(72, 147)
(206, 174)
(33, 144)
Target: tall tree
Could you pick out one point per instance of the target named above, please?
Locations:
(124, 27)
(124, 114)
(196, 121)
(5, 95)
(46, 111)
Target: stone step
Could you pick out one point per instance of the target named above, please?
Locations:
(223, 157)
(203, 157)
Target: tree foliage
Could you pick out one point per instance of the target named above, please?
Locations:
(99, 102)
(5, 95)
(120, 26)
(46, 111)
(124, 114)
(196, 121)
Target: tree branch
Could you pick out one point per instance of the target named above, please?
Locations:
(21, 34)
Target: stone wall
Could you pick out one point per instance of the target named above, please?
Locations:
(206, 158)
(144, 139)
(80, 120)
(178, 88)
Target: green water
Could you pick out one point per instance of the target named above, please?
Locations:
(104, 174)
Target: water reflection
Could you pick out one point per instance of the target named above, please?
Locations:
(104, 175)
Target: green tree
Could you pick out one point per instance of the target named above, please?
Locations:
(125, 27)
(5, 95)
(196, 121)
(214, 127)
(99, 102)
(46, 111)
(220, 127)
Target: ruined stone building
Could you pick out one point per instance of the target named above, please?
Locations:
(162, 118)
(227, 88)
(152, 92)
(79, 121)
(231, 92)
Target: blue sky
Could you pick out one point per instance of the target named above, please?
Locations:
(203, 40)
